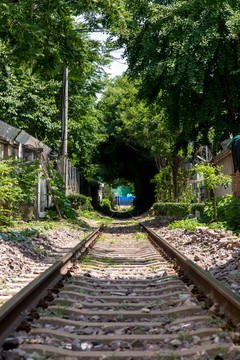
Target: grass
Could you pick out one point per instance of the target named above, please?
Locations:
(107, 260)
(102, 238)
(151, 267)
(22, 231)
(193, 223)
(41, 357)
(185, 336)
(82, 291)
(85, 260)
(140, 236)
(93, 215)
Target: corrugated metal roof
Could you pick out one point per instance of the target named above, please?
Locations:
(13, 133)
(8, 131)
(26, 139)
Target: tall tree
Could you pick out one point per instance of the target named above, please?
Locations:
(188, 51)
(46, 34)
(38, 39)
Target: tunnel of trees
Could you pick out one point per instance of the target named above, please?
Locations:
(182, 81)
(119, 161)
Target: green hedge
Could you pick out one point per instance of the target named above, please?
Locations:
(181, 209)
(105, 205)
(80, 202)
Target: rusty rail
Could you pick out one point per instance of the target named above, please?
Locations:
(219, 293)
(11, 312)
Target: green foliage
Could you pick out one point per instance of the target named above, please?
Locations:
(58, 190)
(105, 205)
(164, 189)
(192, 224)
(37, 41)
(80, 202)
(219, 225)
(179, 209)
(187, 56)
(164, 185)
(212, 176)
(212, 179)
(188, 224)
(21, 235)
(17, 187)
(228, 209)
(109, 194)
(43, 36)
(28, 102)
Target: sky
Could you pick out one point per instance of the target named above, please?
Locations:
(118, 66)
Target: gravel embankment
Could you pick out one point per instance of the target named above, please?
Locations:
(19, 259)
(216, 251)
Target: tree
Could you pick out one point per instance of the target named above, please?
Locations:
(136, 133)
(42, 33)
(212, 179)
(37, 40)
(189, 52)
(29, 103)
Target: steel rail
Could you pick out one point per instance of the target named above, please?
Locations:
(229, 302)
(30, 295)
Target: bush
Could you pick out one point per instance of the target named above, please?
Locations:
(109, 194)
(179, 209)
(80, 202)
(188, 224)
(228, 209)
(17, 188)
(58, 191)
(105, 205)
(192, 224)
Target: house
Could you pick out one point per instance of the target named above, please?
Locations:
(17, 143)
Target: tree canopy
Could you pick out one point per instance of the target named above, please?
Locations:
(188, 51)
(38, 39)
(183, 85)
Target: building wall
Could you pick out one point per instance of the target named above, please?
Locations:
(12, 148)
(225, 159)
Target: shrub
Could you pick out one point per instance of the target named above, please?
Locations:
(17, 187)
(109, 194)
(212, 179)
(105, 205)
(180, 209)
(188, 224)
(58, 191)
(228, 209)
(80, 202)
(192, 224)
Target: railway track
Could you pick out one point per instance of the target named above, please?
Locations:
(123, 300)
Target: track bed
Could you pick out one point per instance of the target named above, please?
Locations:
(124, 301)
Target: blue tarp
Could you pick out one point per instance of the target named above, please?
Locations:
(124, 200)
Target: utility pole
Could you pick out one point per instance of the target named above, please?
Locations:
(65, 119)
(64, 126)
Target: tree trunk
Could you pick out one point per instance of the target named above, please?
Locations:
(175, 182)
(175, 164)
(215, 206)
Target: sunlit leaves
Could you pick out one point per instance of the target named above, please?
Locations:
(189, 49)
